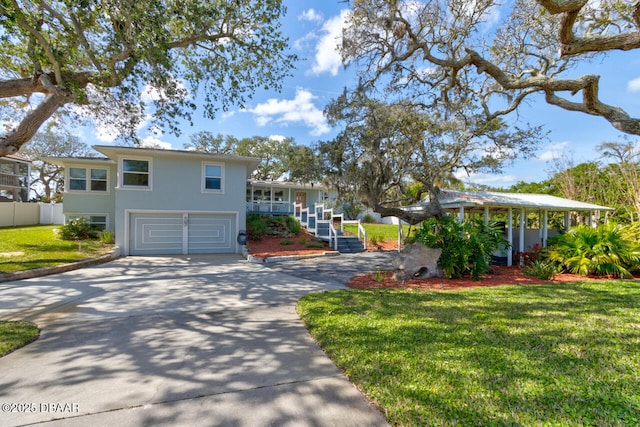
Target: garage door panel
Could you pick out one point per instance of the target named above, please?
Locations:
(211, 233)
(155, 234)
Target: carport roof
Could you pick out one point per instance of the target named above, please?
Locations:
(454, 199)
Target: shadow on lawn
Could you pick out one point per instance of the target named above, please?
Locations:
(566, 354)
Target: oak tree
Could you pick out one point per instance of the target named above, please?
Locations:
(101, 56)
(502, 52)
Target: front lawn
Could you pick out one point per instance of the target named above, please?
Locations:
(382, 232)
(14, 335)
(26, 248)
(560, 354)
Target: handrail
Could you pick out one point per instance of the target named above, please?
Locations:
(361, 231)
(333, 235)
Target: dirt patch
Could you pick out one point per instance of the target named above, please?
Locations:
(501, 276)
(10, 254)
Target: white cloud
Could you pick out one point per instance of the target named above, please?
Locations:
(153, 142)
(105, 133)
(327, 57)
(278, 138)
(491, 180)
(554, 151)
(298, 110)
(310, 15)
(634, 85)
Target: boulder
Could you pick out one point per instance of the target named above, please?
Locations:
(417, 261)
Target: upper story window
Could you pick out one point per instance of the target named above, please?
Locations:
(212, 178)
(87, 179)
(136, 173)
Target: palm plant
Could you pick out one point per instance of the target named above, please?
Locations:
(603, 251)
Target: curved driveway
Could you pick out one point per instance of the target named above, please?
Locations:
(197, 341)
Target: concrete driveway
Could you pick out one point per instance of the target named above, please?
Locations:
(197, 341)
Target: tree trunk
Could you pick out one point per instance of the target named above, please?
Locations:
(16, 138)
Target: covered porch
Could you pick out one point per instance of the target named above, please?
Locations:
(529, 219)
(279, 197)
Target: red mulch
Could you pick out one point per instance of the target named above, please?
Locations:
(501, 276)
(271, 246)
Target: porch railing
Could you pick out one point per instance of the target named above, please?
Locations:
(270, 207)
(8, 180)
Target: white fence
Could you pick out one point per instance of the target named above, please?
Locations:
(14, 214)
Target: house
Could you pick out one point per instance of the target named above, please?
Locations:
(15, 173)
(171, 201)
(160, 201)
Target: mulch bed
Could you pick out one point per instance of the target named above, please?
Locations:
(500, 277)
(272, 246)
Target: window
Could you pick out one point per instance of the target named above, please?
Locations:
(77, 179)
(88, 179)
(98, 180)
(213, 177)
(98, 221)
(136, 173)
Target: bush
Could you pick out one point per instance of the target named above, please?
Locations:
(256, 226)
(601, 251)
(314, 245)
(78, 229)
(540, 269)
(375, 239)
(293, 225)
(107, 237)
(286, 242)
(466, 247)
(368, 219)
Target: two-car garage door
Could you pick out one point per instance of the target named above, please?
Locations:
(181, 233)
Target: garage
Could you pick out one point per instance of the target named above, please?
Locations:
(157, 233)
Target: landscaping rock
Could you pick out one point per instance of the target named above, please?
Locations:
(417, 261)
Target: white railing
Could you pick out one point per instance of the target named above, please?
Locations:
(269, 207)
(333, 236)
(362, 233)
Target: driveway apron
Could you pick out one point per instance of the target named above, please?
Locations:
(197, 341)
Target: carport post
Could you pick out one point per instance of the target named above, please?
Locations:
(510, 236)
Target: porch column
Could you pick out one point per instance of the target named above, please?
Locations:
(567, 220)
(510, 236)
(545, 229)
(486, 215)
(290, 203)
(523, 223)
(461, 214)
(590, 220)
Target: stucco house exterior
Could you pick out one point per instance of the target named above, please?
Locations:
(161, 202)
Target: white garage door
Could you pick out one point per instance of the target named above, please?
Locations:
(167, 234)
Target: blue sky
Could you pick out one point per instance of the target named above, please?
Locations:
(312, 27)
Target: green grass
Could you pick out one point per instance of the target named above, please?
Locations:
(26, 248)
(566, 355)
(387, 232)
(14, 335)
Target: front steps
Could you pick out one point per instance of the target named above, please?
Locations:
(322, 229)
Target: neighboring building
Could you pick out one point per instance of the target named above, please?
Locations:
(15, 173)
(516, 207)
(160, 201)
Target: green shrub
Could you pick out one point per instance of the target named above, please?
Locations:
(286, 242)
(466, 247)
(256, 226)
(304, 240)
(107, 237)
(540, 269)
(314, 245)
(375, 239)
(293, 225)
(601, 251)
(78, 229)
(368, 219)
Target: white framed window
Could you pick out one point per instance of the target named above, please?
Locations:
(135, 173)
(213, 178)
(88, 179)
(97, 221)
